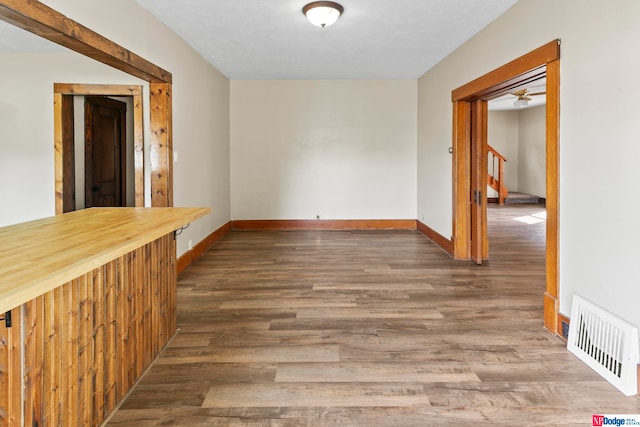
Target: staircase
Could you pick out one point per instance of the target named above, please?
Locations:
(495, 178)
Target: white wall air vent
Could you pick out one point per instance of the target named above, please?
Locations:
(606, 343)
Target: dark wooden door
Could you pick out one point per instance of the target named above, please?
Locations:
(478, 196)
(105, 152)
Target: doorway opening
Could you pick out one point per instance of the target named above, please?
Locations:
(75, 173)
(516, 142)
(516, 212)
(105, 155)
(470, 160)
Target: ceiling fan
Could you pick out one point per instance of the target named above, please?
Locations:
(524, 97)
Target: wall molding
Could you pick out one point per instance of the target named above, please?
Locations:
(437, 238)
(563, 320)
(186, 259)
(326, 224)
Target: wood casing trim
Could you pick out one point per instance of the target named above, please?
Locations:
(461, 183)
(479, 183)
(186, 259)
(63, 156)
(437, 238)
(550, 314)
(60, 164)
(562, 319)
(161, 145)
(324, 224)
(68, 146)
(501, 79)
(544, 61)
(552, 179)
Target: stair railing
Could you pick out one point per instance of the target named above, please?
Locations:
(496, 179)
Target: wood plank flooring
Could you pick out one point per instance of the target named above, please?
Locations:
(339, 328)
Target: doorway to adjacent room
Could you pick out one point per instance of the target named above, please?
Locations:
(470, 160)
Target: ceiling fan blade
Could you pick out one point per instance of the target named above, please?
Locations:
(526, 98)
(536, 93)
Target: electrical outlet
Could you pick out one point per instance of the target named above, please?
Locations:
(175, 157)
(190, 244)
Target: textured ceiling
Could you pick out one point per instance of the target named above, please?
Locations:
(258, 39)
(374, 39)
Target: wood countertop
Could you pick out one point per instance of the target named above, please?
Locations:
(40, 255)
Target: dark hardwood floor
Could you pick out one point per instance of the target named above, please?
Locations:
(382, 328)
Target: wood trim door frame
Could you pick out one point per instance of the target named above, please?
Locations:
(39, 19)
(478, 178)
(63, 155)
(541, 62)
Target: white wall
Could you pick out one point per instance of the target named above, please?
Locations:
(200, 116)
(502, 134)
(519, 135)
(599, 134)
(26, 126)
(338, 149)
(532, 151)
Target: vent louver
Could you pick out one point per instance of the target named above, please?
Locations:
(606, 343)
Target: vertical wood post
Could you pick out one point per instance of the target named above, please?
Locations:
(138, 147)
(161, 151)
(501, 186)
(68, 164)
(461, 183)
(551, 301)
(58, 145)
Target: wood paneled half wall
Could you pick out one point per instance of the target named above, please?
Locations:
(92, 300)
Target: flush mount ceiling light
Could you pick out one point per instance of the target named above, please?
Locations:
(322, 13)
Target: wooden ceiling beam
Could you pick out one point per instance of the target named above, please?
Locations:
(39, 19)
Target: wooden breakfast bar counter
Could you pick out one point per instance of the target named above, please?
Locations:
(91, 296)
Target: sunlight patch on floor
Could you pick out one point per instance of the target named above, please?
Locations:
(533, 218)
(541, 215)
